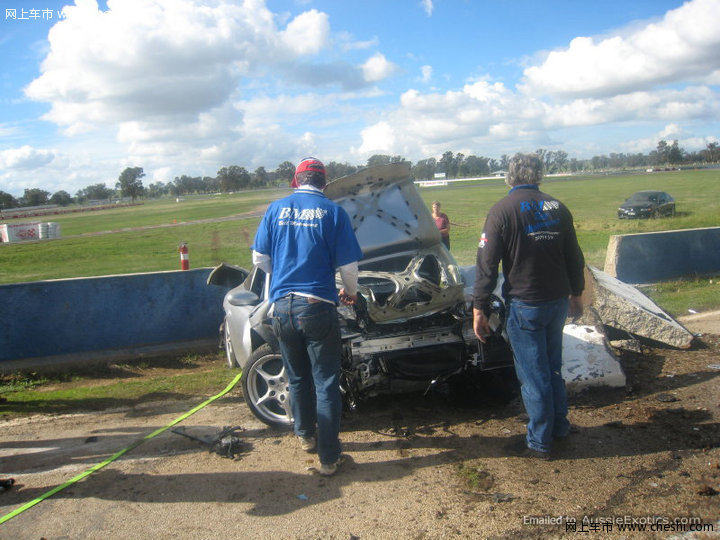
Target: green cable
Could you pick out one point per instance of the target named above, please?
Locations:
(112, 458)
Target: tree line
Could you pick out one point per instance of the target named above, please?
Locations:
(452, 165)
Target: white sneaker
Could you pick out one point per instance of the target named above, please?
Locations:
(307, 443)
(329, 470)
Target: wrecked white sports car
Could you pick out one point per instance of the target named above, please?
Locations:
(412, 326)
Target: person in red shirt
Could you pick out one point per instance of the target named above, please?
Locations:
(442, 222)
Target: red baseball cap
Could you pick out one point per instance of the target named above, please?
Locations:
(308, 164)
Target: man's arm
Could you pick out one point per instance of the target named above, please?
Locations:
(487, 262)
(349, 277)
(263, 261)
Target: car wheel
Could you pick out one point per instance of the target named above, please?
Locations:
(266, 387)
(229, 351)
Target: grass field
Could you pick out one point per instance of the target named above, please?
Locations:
(593, 201)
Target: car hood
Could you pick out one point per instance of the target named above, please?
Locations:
(406, 272)
(386, 210)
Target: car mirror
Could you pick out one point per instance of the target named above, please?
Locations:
(242, 297)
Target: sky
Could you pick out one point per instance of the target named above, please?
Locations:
(190, 86)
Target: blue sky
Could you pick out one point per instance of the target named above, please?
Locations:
(190, 86)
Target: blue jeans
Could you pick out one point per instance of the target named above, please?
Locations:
(309, 336)
(535, 332)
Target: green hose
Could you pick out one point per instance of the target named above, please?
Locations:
(112, 458)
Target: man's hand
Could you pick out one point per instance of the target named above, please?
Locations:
(481, 325)
(575, 309)
(347, 299)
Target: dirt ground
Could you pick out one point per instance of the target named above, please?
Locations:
(418, 467)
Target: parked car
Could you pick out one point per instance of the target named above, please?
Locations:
(647, 204)
(411, 328)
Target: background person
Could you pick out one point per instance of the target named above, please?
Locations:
(533, 235)
(301, 241)
(442, 222)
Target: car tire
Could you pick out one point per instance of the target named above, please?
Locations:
(230, 357)
(266, 387)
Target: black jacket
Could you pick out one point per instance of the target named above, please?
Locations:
(533, 235)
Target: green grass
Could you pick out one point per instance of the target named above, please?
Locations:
(102, 387)
(593, 201)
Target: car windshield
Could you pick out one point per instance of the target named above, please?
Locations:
(643, 197)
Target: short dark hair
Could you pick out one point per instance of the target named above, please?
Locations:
(311, 178)
(524, 169)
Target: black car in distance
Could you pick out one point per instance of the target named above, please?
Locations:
(647, 204)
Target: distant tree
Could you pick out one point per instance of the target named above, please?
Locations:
(445, 163)
(7, 201)
(379, 159)
(285, 172)
(260, 177)
(662, 153)
(61, 198)
(233, 178)
(504, 162)
(212, 185)
(676, 154)
(338, 170)
(34, 197)
(157, 190)
(424, 169)
(476, 166)
(129, 182)
(95, 192)
(711, 154)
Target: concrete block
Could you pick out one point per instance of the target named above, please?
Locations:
(588, 360)
(666, 255)
(625, 308)
(56, 318)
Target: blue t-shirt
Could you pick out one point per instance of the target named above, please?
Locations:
(307, 237)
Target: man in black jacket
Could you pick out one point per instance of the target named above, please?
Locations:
(533, 235)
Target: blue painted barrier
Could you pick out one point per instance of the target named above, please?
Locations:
(662, 256)
(97, 315)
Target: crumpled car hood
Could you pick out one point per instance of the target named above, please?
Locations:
(406, 272)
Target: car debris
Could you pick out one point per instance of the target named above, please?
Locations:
(226, 443)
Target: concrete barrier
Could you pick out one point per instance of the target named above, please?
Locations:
(667, 255)
(73, 320)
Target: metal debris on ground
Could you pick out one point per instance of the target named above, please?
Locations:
(226, 443)
(6, 484)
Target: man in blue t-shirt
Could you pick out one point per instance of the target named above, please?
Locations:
(301, 241)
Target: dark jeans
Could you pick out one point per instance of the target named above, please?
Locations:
(309, 335)
(535, 332)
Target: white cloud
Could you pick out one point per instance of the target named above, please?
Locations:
(682, 46)
(167, 76)
(377, 68)
(25, 157)
(307, 34)
(427, 72)
(427, 6)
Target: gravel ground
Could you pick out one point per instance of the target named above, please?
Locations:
(418, 467)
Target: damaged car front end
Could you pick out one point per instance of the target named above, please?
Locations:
(411, 328)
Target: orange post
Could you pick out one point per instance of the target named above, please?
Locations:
(184, 257)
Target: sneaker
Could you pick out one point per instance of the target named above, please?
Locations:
(307, 443)
(521, 449)
(330, 469)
